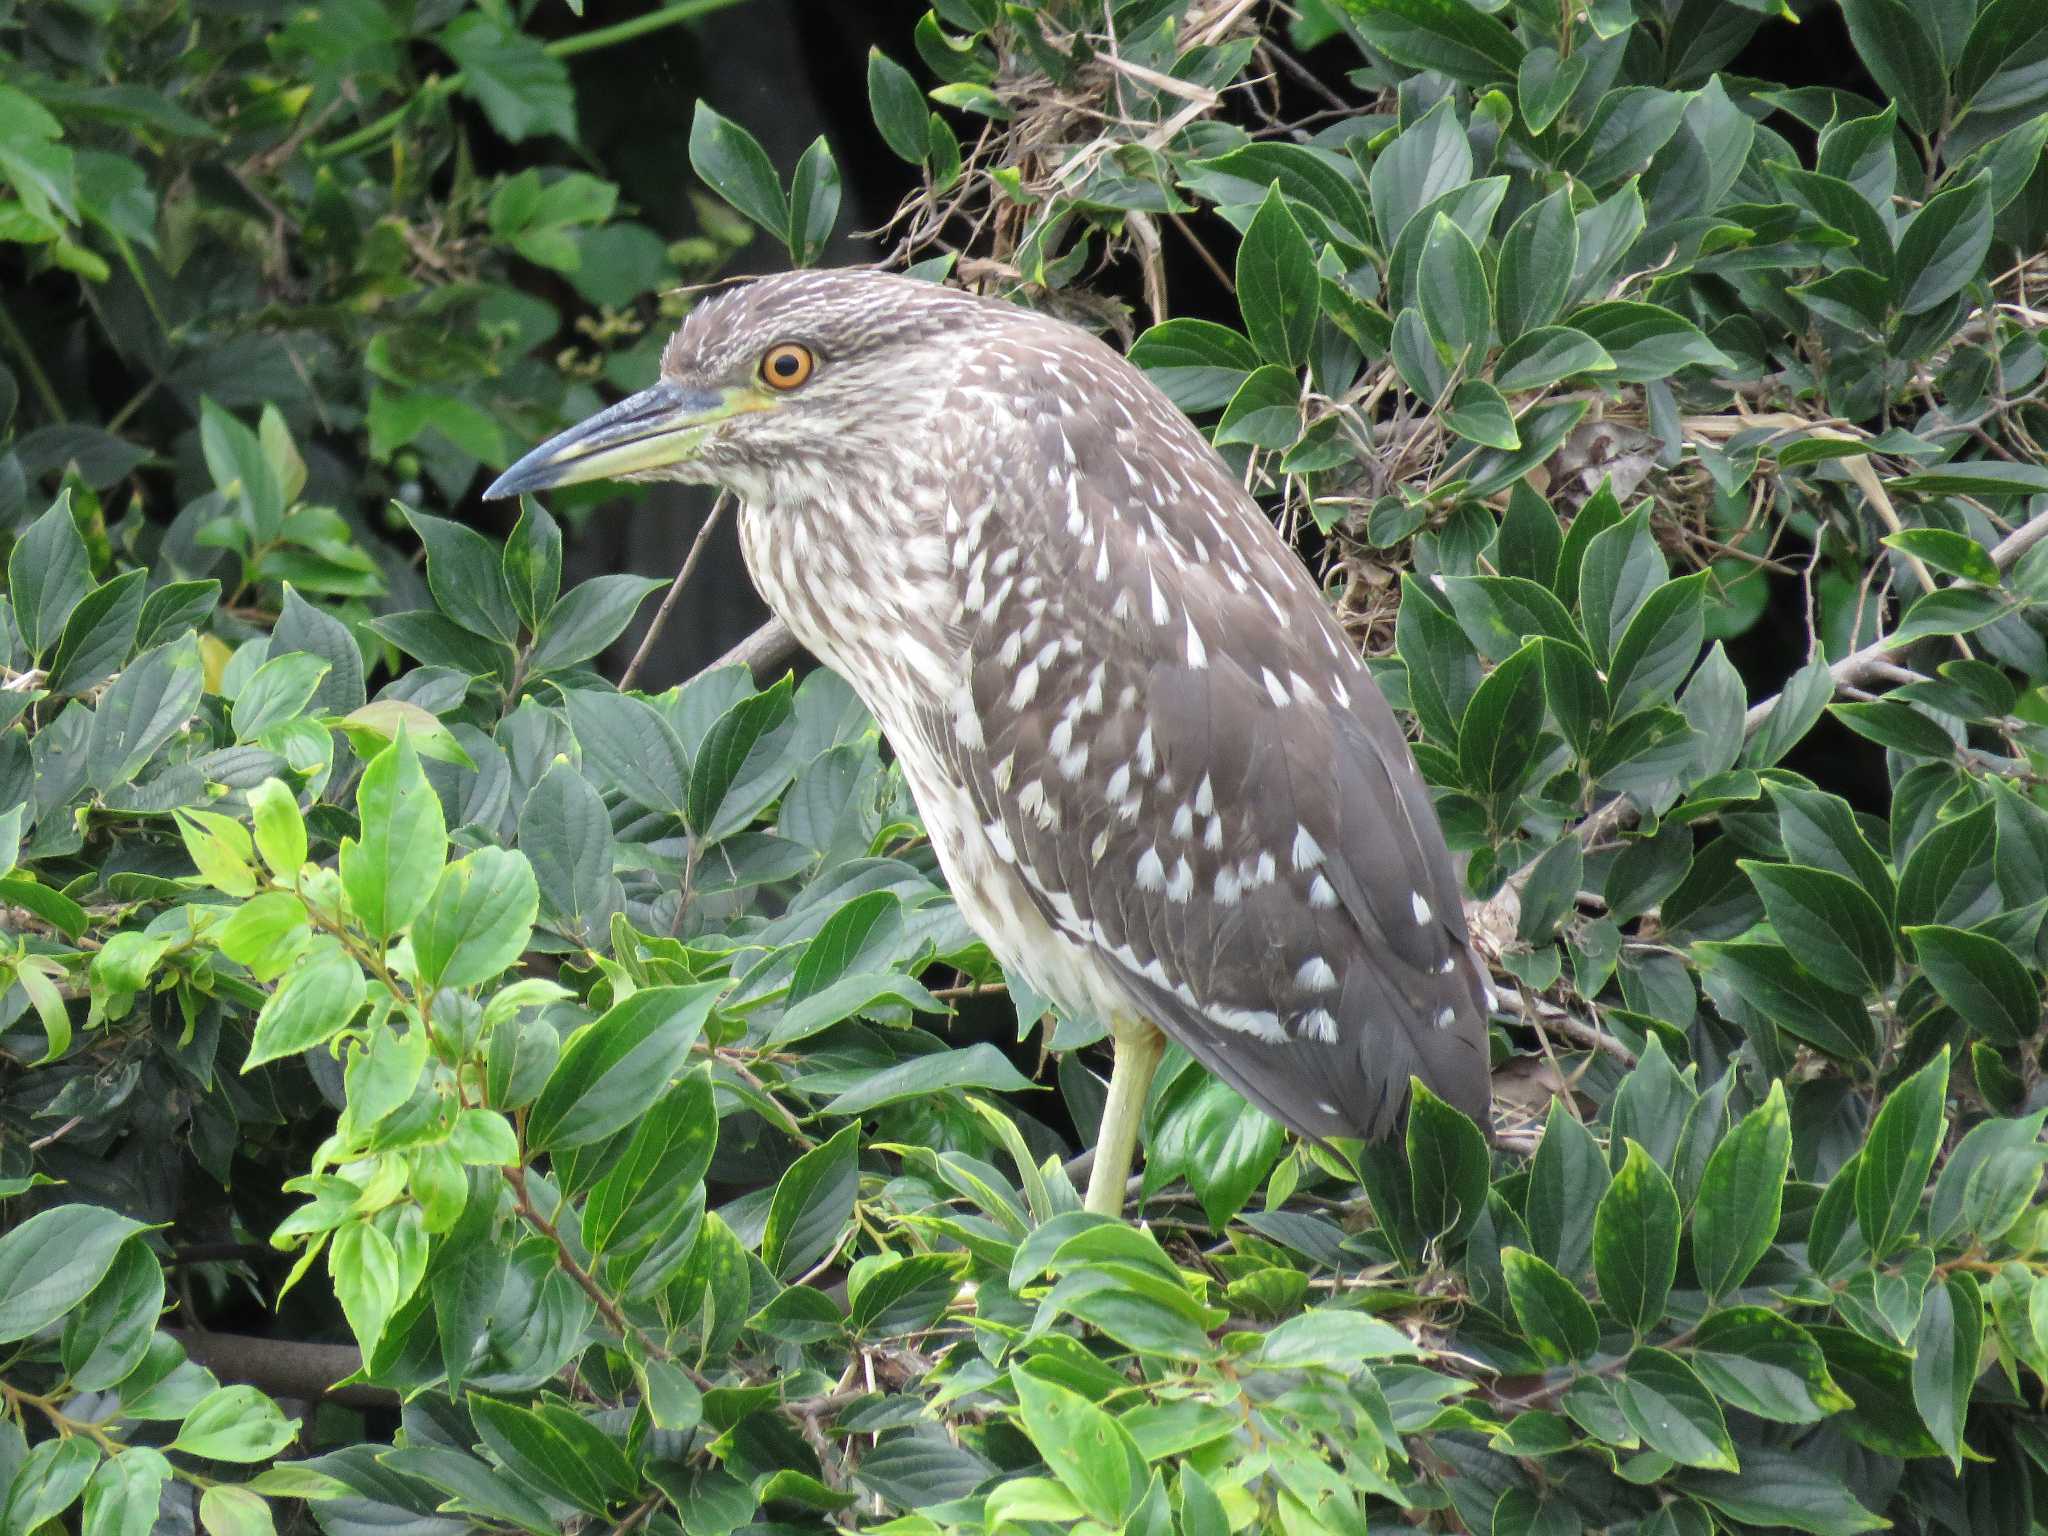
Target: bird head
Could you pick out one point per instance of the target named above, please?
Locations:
(786, 375)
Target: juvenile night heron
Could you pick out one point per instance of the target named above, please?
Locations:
(1158, 778)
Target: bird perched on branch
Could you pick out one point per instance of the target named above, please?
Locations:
(1160, 782)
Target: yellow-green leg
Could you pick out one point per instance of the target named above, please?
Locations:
(1135, 1052)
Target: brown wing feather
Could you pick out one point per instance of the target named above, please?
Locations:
(1200, 783)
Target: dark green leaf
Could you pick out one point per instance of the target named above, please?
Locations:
(898, 106)
(610, 1072)
(736, 167)
(1741, 1195)
(1892, 1175)
(1444, 35)
(98, 635)
(1944, 247)
(1452, 290)
(1982, 980)
(1553, 1315)
(589, 617)
(1448, 1168)
(1635, 1241)
(1901, 57)
(1666, 1405)
(1829, 921)
(812, 1205)
(47, 576)
(1277, 286)
(52, 1260)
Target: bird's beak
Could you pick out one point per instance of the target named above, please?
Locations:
(648, 431)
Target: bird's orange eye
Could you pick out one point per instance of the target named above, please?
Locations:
(786, 365)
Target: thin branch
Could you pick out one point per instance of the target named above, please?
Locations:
(675, 590)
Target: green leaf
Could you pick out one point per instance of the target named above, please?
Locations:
(1830, 921)
(174, 608)
(1954, 554)
(1943, 249)
(109, 1333)
(52, 1260)
(1567, 1178)
(1555, 1318)
(535, 1450)
(898, 106)
(1646, 341)
(278, 690)
(1741, 1196)
(1430, 159)
(1622, 567)
(611, 1071)
(1199, 363)
(645, 1188)
(1665, 1403)
(742, 764)
(146, 706)
(1544, 83)
(736, 167)
(49, 1479)
(1986, 984)
(1948, 873)
(123, 1496)
(1277, 286)
(477, 920)
(1444, 35)
(1635, 1241)
(1898, 1155)
(389, 871)
(1265, 412)
(466, 575)
(812, 1204)
(1977, 477)
(630, 746)
(978, 1066)
(318, 997)
(98, 635)
(1477, 413)
(566, 835)
(1901, 57)
(589, 617)
(1763, 1363)
(1226, 1149)
(2000, 39)
(242, 472)
(1537, 257)
(1498, 736)
(1088, 1451)
(1946, 1342)
(1820, 830)
(1628, 128)
(1783, 1490)
(1451, 287)
(1538, 358)
(1449, 1169)
(1659, 646)
(522, 89)
(1766, 977)
(813, 203)
(235, 1424)
(531, 567)
(278, 828)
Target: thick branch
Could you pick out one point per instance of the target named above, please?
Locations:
(763, 653)
(284, 1367)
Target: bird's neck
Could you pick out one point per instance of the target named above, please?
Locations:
(863, 584)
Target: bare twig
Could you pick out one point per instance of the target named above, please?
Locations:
(675, 590)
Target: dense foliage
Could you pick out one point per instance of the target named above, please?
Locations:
(582, 1054)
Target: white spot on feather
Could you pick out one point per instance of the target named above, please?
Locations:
(1151, 870)
(1322, 893)
(1423, 911)
(1321, 1025)
(1308, 853)
(1315, 975)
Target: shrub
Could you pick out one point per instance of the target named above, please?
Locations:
(584, 1050)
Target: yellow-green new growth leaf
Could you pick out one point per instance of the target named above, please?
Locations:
(388, 872)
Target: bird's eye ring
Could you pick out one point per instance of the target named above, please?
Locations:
(787, 365)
